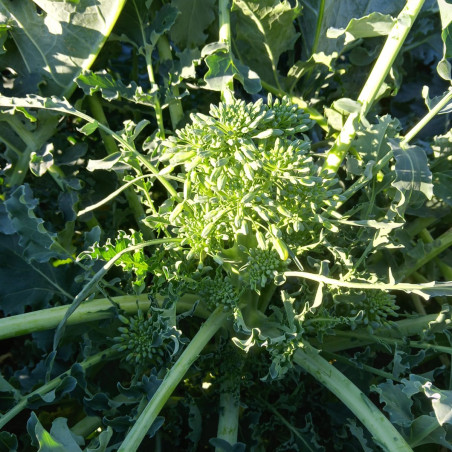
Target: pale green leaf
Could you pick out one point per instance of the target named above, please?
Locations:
(55, 45)
(112, 89)
(413, 177)
(347, 106)
(223, 68)
(89, 128)
(60, 438)
(264, 31)
(444, 66)
(41, 161)
(441, 402)
(374, 24)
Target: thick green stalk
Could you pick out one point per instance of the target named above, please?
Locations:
(52, 384)
(393, 341)
(384, 62)
(401, 329)
(426, 119)
(172, 379)
(224, 17)
(148, 58)
(228, 420)
(229, 409)
(406, 287)
(90, 311)
(383, 432)
(175, 106)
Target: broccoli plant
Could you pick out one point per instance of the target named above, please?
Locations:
(261, 249)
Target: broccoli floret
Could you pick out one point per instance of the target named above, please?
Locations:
(147, 338)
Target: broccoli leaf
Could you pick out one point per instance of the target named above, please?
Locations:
(52, 42)
(196, 16)
(39, 244)
(265, 31)
(444, 67)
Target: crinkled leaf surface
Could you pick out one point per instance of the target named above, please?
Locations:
(441, 402)
(264, 30)
(39, 244)
(52, 42)
(112, 89)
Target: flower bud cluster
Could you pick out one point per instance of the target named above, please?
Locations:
(247, 169)
(147, 338)
(262, 267)
(219, 291)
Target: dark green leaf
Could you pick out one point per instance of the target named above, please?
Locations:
(426, 430)
(39, 244)
(397, 403)
(164, 20)
(196, 16)
(40, 162)
(66, 386)
(8, 442)
(441, 186)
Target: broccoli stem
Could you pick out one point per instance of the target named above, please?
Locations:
(224, 17)
(228, 420)
(443, 242)
(384, 433)
(426, 119)
(175, 106)
(402, 329)
(91, 311)
(52, 384)
(172, 379)
(387, 56)
(148, 58)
